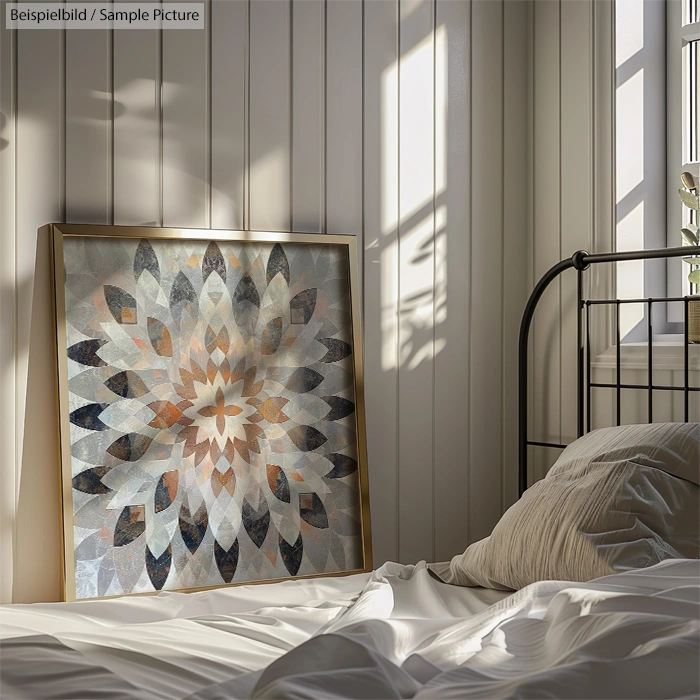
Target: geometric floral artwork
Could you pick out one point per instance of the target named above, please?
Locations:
(211, 412)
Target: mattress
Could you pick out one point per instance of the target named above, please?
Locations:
(397, 632)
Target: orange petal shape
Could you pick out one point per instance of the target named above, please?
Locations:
(167, 414)
(271, 410)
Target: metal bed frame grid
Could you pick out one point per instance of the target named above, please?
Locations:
(581, 261)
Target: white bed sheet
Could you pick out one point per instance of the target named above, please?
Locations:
(395, 633)
(173, 644)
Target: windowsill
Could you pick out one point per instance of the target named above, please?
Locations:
(667, 354)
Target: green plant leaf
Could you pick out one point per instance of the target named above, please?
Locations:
(694, 277)
(692, 261)
(689, 237)
(690, 200)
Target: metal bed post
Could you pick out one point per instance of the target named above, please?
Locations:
(580, 261)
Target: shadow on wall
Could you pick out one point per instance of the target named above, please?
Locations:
(38, 545)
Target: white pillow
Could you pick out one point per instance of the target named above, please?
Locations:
(616, 499)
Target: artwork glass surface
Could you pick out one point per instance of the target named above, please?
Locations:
(211, 411)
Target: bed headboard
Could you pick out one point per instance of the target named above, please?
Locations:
(581, 261)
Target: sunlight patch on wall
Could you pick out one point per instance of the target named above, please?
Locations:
(630, 275)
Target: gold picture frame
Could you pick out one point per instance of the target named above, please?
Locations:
(183, 356)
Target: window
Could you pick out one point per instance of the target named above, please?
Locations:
(640, 159)
(683, 129)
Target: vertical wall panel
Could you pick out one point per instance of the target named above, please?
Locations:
(416, 279)
(515, 226)
(39, 182)
(270, 105)
(88, 126)
(8, 301)
(344, 118)
(136, 127)
(229, 27)
(381, 271)
(486, 272)
(308, 71)
(452, 258)
(185, 127)
(576, 178)
(546, 330)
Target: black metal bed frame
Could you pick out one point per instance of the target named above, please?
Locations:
(581, 261)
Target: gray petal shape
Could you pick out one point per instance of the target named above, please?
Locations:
(277, 263)
(183, 297)
(145, 259)
(247, 291)
(304, 379)
(121, 304)
(303, 305)
(213, 262)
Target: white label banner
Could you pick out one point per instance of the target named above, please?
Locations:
(98, 15)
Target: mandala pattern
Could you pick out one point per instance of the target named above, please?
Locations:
(212, 413)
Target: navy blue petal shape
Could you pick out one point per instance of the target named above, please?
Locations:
(256, 522)
(342, 466)
(90, 481)
(158, 569)
(193, 527)
(88, 416)
(85, 351)
(340, 407)
(291, 554)
(226, 560)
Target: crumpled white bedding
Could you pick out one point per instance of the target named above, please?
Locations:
(395, 633)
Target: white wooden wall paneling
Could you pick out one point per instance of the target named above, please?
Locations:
(88, 146)
(416, 280)
(452, 261)
(136, 129)
(270, 109)
(546, 329)
(576, 228)
(308, 115)
(186, 127)
(486, 334)
(8, 300)
(344, 177)
(229, 104)
(381, 271)
(40, 188)
(515, 227)
(397, 122)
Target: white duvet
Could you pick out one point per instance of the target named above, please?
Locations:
(395, 633)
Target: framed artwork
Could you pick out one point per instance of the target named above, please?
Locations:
(210, 408)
